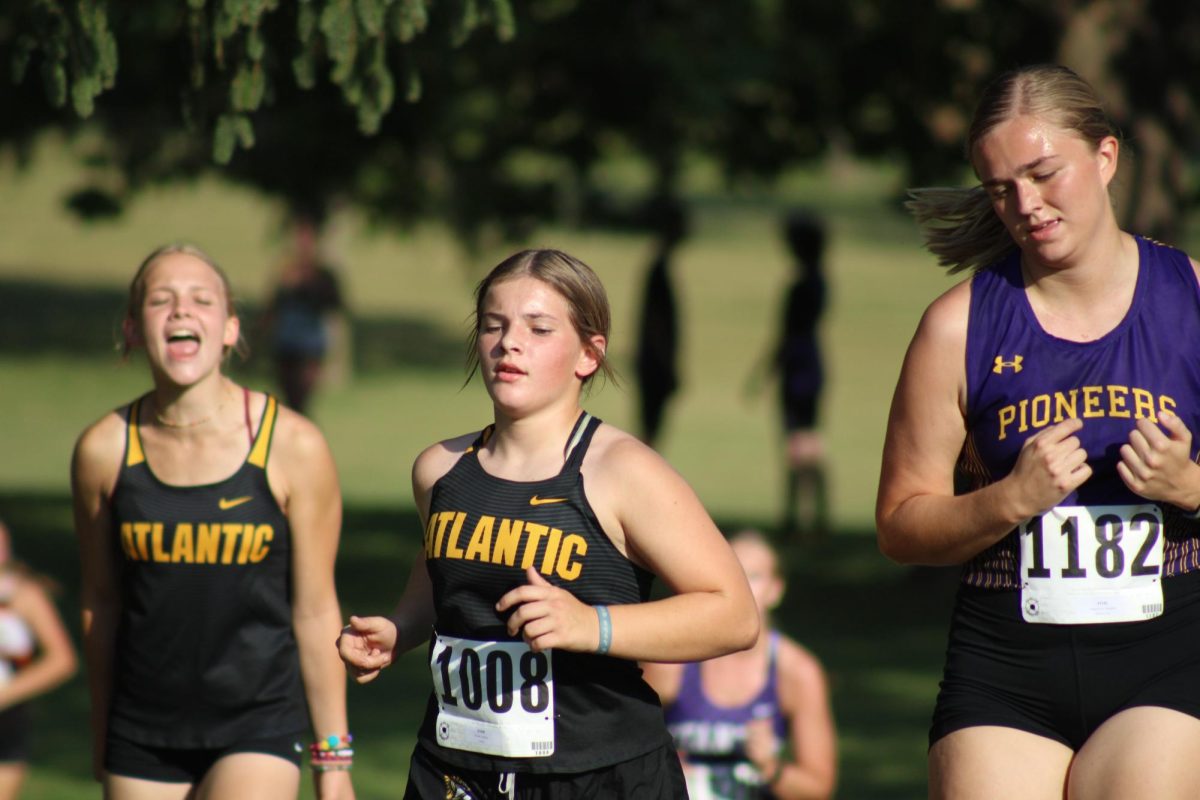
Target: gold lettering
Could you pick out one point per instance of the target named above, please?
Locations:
(429, 534)
(140, 530)
(1143, 404)
(506, 541)
(1116, 401)
(156, 542)
(534, 533)
(1091, 401)
(127, 541)
(1040, 411)
(567, 569)
(247, 542)
(1166, 404)
(547, 567)
(481, 539)
(1064, 409)
(231, 531)
(181, 545)
(1024, 426)
(1007, 415)
(443, 519)
(452, 548)
(262, 535)
(208, 540)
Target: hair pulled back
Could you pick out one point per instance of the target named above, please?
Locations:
(572, 279)
(959, 224)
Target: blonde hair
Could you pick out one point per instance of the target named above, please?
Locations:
(574, 280)
(137, 290)
(959, 225)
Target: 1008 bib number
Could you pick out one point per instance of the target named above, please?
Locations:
(488, 678)
(1087, 564)
(493, 697)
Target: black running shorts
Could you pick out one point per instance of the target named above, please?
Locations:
(656, 775)
(1064, 681)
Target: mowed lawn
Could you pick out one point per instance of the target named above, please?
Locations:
(878, 627)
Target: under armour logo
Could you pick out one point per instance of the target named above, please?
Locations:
(1000, 364)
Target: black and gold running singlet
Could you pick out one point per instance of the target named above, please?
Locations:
(205, 652)
(496, 705)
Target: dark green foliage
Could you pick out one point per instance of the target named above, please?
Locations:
(506, 123)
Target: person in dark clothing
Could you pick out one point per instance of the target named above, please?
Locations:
(802, 376)
(657, 362)
(307, 293)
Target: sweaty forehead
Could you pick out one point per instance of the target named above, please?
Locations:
(1023, 143)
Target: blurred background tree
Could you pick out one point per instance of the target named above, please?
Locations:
(494, 117)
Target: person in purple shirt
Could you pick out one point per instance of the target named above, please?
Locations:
(1040, 436)
(754, 724)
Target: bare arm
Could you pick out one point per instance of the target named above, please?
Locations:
(55, 661)
(811, 773)
(370, 644)
(94, 468)
(314, 510)
(660, 523)
(918, 517)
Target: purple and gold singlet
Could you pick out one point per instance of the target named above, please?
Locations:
(1020, 380)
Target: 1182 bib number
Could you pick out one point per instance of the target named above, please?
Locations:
(1092, 564)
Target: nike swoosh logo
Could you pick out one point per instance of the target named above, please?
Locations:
(542, 501)
(225, 505)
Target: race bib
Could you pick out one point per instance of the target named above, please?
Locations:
(1092, 564)
(495, 698)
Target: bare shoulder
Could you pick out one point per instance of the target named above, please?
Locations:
(797, 662)
(436, 460)
(27, 594)
(1195, 267)
(945, 320)
(98, 450)
(297, 438)
(618, 455)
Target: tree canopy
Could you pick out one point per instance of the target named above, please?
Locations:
(478, 110)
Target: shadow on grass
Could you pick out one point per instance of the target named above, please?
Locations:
(44, 318)
(878, 628)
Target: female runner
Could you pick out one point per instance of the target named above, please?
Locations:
(208, 518)
(1059, 384)
(542, 535)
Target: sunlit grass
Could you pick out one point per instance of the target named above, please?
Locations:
(880, 641)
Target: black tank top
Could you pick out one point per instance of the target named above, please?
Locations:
(483, 532)
(205, 652)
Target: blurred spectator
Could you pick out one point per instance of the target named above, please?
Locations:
(304, 311)
(36, 655)
(801, 378)
(752, 724)
(658, 330)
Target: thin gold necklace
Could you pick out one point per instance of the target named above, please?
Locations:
(182, 425)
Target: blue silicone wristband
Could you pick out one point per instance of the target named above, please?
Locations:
(605, 629)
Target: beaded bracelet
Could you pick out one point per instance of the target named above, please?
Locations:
(331, 753)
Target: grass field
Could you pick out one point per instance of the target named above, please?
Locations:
(879, 628)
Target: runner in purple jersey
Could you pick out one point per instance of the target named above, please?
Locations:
(1040, 435)
(757, 724)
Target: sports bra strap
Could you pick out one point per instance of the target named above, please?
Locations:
(134, 454)
(581, 437)
(262, 444)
